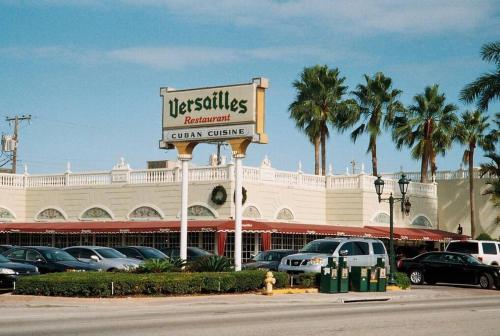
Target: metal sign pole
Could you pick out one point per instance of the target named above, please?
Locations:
(184, 205)
(238, 211)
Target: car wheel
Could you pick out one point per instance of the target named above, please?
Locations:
(417, 277)
(486, 281)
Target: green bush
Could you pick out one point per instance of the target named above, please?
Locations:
(309, 279)
(484, 236)
(102, 284)
(211, 263)
(402, 280)
(155, 266)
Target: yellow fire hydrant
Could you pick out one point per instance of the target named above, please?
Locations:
(269, 281)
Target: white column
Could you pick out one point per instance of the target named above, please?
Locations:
(238, 211)
(184, 206)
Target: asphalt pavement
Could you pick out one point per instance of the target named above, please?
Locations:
(422, 310)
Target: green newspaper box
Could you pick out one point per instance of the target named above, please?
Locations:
(343, 275)
(359, 279)
(329, 280)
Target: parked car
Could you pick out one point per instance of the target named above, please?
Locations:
(314, 255)
(192, 252)
(141, 252)
(48, 259)
(449, 267)
(10, 271)
(4, 248)
(105, 258)
(488, 252)
(268, 259)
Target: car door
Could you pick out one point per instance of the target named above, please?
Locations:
(86, 255)
(34, 258)
(17, 255)
(433, 267)
(456, 271)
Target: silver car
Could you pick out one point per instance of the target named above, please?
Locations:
(314, 255)
(106, 258)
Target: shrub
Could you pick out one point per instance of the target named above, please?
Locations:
(484, 236)
(155, 266)
(402, 280)
(212, 263)
(105, 284)
(309, 279)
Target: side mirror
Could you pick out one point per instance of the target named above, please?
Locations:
(343, 252)
(95, 258)
(40, 260)
(252, 256)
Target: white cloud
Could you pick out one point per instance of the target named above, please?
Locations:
(309, 16)
(171, 57)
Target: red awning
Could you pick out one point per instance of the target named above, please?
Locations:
(334, 230)
(107, 226)
(420, 234)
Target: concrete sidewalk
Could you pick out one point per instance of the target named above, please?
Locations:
(416, 293)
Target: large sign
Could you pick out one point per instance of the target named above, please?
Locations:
(215, 113)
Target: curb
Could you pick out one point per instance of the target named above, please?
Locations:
(295, 291)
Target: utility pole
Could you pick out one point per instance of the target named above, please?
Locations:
(16, 121)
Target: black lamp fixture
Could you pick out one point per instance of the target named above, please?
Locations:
(405, 209)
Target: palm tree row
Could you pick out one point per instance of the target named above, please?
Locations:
(428, 127)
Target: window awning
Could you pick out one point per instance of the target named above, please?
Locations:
(419, 234)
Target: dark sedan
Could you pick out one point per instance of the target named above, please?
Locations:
(4, 248)
(193, 253)
(48, 259)
(449, 267)
(141, 252)
(269, 260)
(9, 271)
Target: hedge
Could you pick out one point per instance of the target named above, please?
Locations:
(103, 284)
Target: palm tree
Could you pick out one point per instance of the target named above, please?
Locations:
(487, 86)
(377, 105)
(428, 127)
(492, 169)
(318, 103)
(472, 132)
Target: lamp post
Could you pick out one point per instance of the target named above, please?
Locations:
(405, 208)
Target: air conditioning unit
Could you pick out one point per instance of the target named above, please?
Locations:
(8, 143)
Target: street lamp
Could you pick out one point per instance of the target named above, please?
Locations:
(405, 208)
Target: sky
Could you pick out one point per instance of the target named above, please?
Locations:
(90, 71)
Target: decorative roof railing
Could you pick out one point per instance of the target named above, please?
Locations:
(122, 174)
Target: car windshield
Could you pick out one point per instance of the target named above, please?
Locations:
(3, 259)
(57, 255)
(198, 252)
(262, 256)
(151, 253)
(110, 253)
(323, 246)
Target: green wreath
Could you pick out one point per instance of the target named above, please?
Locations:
(219, 195)
(244, 194)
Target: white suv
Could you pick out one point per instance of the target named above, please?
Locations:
(487, 251)
(358, 252)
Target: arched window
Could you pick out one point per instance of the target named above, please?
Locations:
(199, 211)
(421, 221)
(251, 212)
(145, 212)
(382, 218)
(96, 213)
(5, 215)
(285, 214)
(50, 214)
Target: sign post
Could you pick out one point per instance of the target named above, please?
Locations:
(233, 113)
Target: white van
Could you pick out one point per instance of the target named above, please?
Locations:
(487, 251)
(358, 252)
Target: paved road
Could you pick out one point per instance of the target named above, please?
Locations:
(421, 311)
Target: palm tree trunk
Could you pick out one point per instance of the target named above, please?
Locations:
(423, 168)
(374, 157)
(316, 155)
(323, 151)
(433, 165)
(471, 191)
